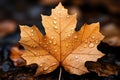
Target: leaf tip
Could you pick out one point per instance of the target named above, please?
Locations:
(60, 4)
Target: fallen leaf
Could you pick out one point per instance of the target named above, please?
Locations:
(15, 56)
(104, 69)
(62, 45)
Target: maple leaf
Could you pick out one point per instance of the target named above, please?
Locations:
(61, 45)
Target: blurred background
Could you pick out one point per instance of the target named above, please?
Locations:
(28, 12)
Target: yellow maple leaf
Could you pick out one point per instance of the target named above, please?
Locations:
(61, 45)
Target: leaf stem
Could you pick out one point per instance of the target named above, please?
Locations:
(60, 73)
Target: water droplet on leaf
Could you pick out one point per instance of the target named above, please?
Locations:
(35, 53)
(86, 41)
(41, 65)
(56, 27)
(54, 22)
(58, 12)
(66, 45)
(55, 50)
(55, 18)
(68, 35)
(32, 30)
(52, 37)
(91, 45)
(96, 41)
(54, 43)
(75, 37)
(76, 57)
(53, 64)
(72, 28)
(93, 37)
(50, 42)
(85, 46)
(34, 46)
(45, 68)
(68, 16)
(45, 39)
(32, 34)
(45, 45)
(77, 60)
(40, 42)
